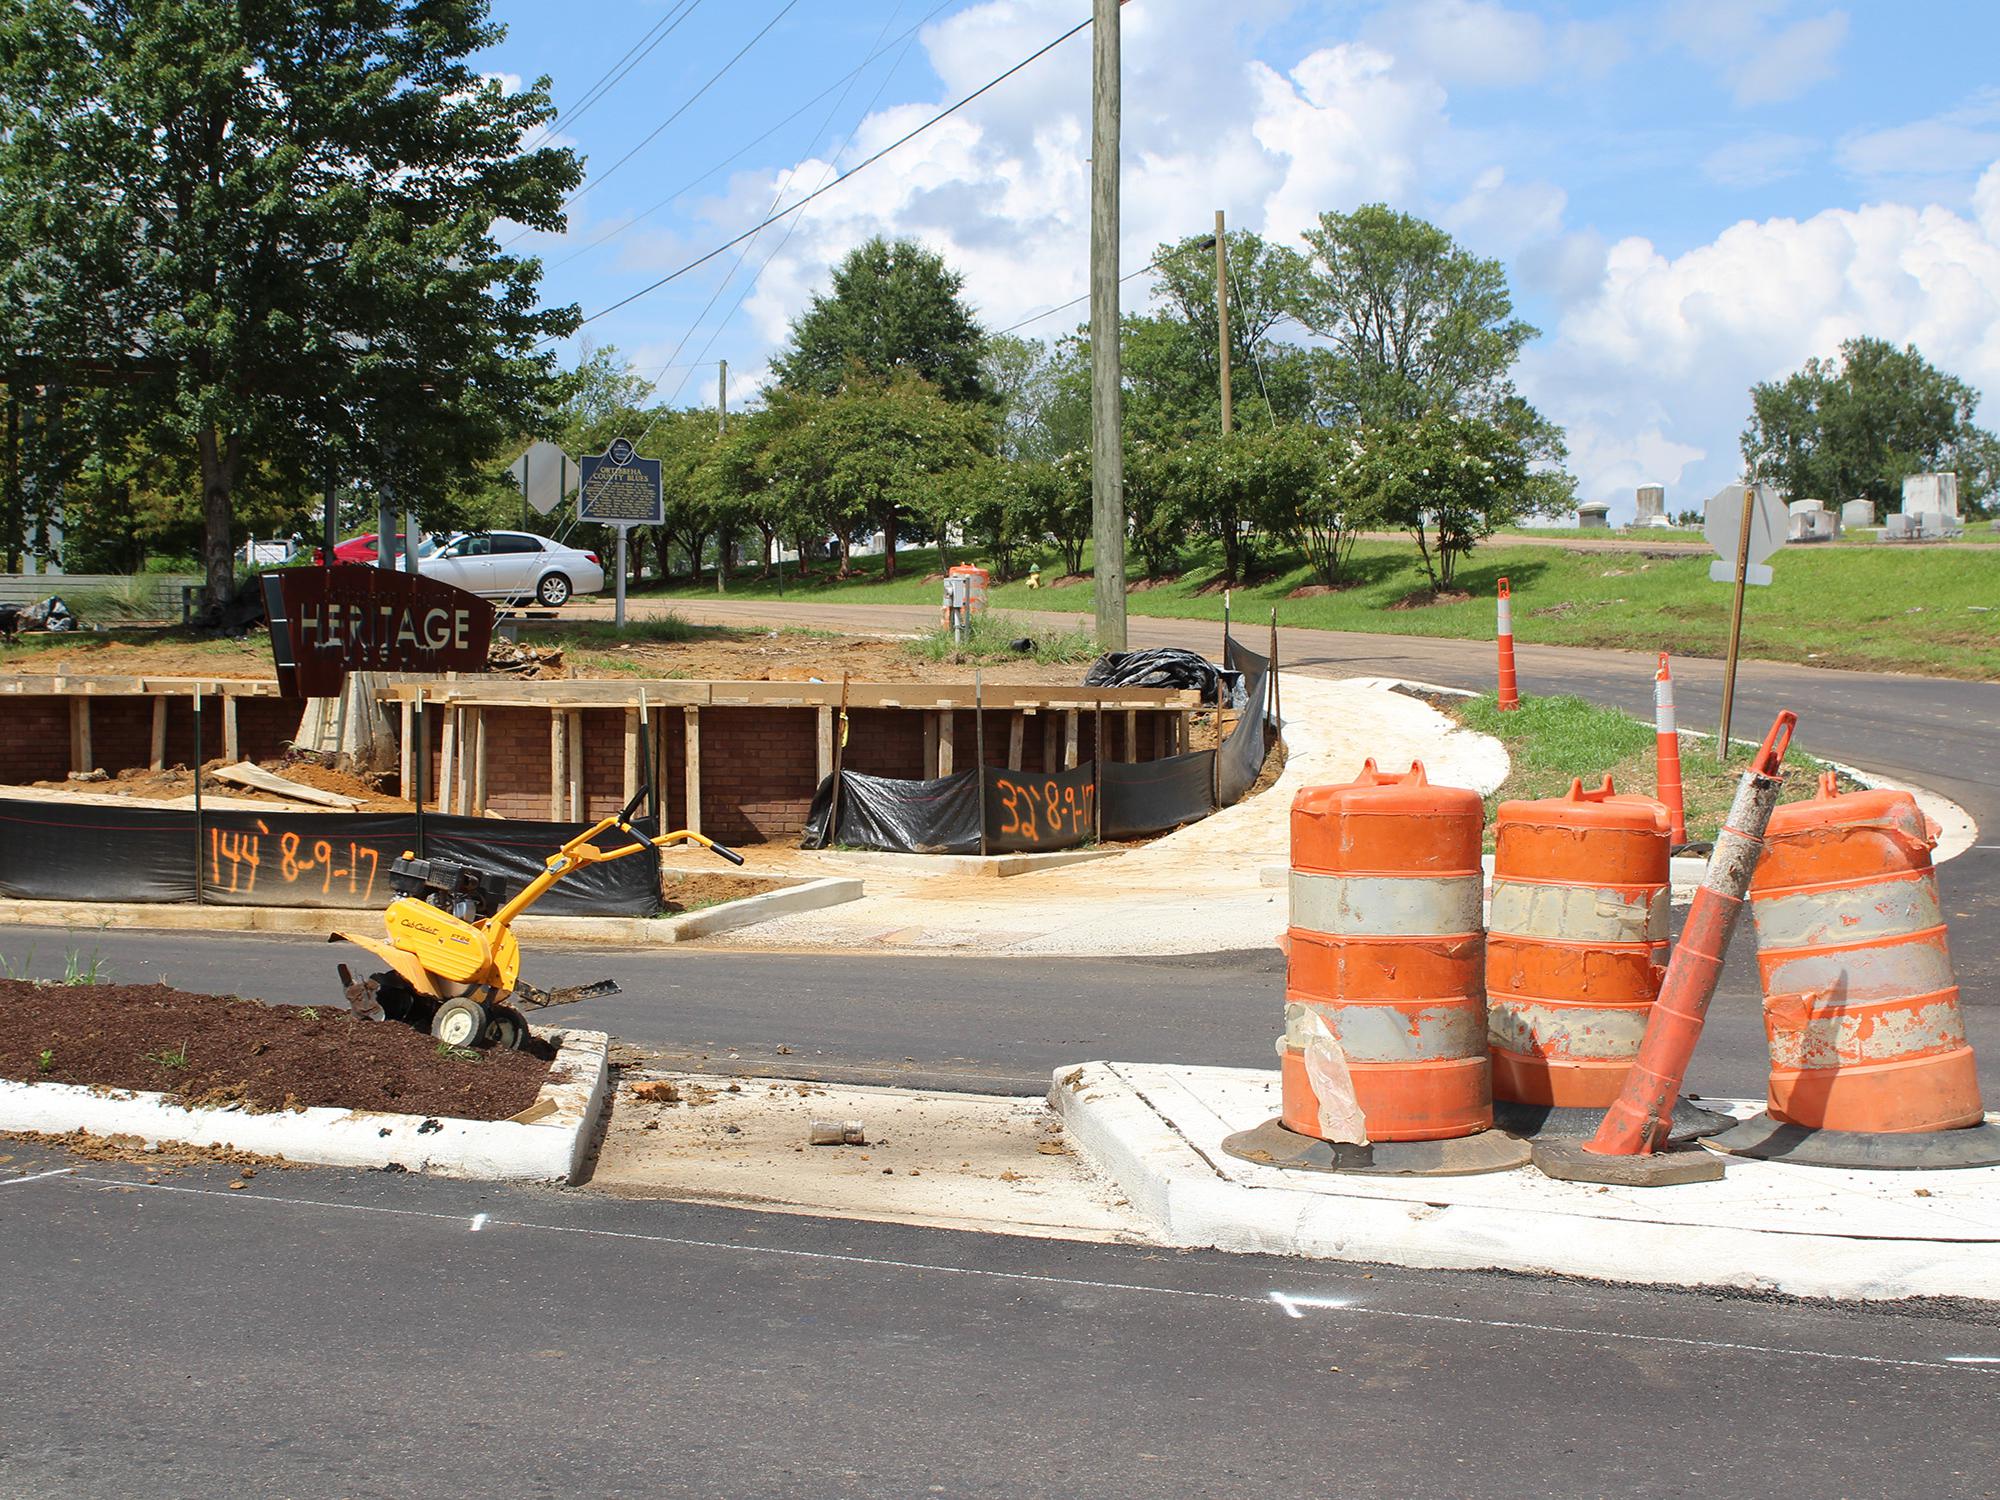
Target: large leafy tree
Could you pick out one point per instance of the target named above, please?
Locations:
(893, 309)
(1414, 323)
(270, 223)
(1851, 427)
(1172, 356)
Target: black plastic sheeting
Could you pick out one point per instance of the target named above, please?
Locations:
(83, 852)
(1030, 811)
(1164, 667)
(519, 848)
(1241, 758)
(910, 817)
(1150, 796)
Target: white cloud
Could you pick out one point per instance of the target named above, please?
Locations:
(1464, 41)
(1956, 143)
(1757, 160)
(1761, 56)
(1664, 351)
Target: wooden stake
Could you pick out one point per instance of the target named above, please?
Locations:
(574, 729)
(824, 728)
(692, 718)
(478, 808)
(979, 751)
(80, 753)
(232, 749)
(1017, 728)
(558, 771)
(159, 761)
(839, 757)
(1069, 736)
(1131, 746)
(930, 746)
(947, 732)
(447, 779)
(631, 786)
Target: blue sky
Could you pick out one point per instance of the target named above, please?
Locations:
(1689, 195)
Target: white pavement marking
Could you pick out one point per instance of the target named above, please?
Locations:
(38, 1176)
(1281, 1299)
(478, 1222)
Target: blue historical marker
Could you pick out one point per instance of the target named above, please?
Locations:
(621, 489)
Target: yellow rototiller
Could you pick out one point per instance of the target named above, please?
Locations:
(454, 963)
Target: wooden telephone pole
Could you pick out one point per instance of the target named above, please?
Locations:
(1222, 318)
(1107, 454)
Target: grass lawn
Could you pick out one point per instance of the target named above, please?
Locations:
(1922, 610)
(1552, 741)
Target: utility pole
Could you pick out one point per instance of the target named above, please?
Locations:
(1222, 317)
(721, 427)
(1107, 454)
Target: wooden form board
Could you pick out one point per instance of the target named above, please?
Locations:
(668, 693)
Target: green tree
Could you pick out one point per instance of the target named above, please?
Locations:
(894, 309)
(271, 224)
(1449, 481)
(1851, 427)
(1171, 356)
(1415, 323)
(1305, 493)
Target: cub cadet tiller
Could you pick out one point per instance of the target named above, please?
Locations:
(454, 964)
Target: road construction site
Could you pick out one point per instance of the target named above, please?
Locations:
(936, 1010)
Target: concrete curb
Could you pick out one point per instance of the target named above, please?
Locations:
(305, 921)
(999, 866)
(810, 895)
(551, 1148)
(1802, 1231)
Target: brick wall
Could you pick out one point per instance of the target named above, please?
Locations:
(34, 733)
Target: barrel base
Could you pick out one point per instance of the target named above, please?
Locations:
(1273, 1145)
(1766, 1139)
(1552, 1122)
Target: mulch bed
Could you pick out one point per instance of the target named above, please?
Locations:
(209, 1050)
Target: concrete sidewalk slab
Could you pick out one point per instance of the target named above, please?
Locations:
(950, 1160)
(1196, 890)
(1157, 1131)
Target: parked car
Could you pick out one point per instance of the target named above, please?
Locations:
(515, 565)
(363, 549)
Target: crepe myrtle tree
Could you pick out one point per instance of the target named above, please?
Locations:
(269, 225)
(1448, 480)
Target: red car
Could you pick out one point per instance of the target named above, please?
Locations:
(362, 549)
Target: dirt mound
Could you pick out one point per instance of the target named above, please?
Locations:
(215, 1050)
(1424, 598)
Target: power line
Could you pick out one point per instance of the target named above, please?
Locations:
(861, 166)
(1036, 318)
(687, 104)
(606, 82)
(617, 229)
(776, 199)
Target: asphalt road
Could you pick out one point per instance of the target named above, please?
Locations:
(360, 1334)
(363, 1335)
(997, 1027)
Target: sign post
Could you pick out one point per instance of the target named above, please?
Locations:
(621, 489)
(1744, 524)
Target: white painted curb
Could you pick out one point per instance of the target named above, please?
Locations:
(810, 895)
(549, 1149)
(1197, 1197)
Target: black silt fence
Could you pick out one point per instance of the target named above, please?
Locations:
(83, 852)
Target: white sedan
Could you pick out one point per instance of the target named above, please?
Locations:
(515, 565)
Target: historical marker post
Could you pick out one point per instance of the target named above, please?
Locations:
(1744, 524)
(621, 489)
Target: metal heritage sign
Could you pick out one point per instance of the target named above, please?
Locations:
(327, 622)
(620, 488)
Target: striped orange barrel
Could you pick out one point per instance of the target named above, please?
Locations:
(1576, 942)
(1860, 1002)
(1385, 956)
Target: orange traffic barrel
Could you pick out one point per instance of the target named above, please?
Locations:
(1860, 1003)
(1576, 942)
(1385, 957)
